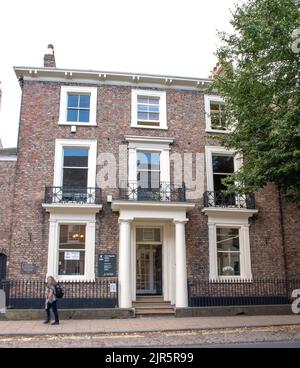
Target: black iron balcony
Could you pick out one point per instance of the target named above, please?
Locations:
(220, 199)
(167, 192)
(61, 195)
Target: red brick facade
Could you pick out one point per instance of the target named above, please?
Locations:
(186, 122)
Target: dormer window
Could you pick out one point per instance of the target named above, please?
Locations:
(214, 114)
(149, 109)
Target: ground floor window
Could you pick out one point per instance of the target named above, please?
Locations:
(229, 247)
(72, 250)
(228, 251)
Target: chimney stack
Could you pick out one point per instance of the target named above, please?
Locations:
(218, 70)
(49, 58)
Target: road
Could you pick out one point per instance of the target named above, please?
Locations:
(277, 337)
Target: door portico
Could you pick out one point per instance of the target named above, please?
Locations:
(171, 220)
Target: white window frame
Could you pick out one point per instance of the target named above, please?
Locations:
(162, 108)
(57, 219)
(60, 144)
(145, 144)
(215, 150)
(207, 100)
(65, 90)
(236, 222)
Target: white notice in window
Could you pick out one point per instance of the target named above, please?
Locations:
(72, 256)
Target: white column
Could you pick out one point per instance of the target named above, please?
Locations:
(52, 249)
(125, 284)
(212, 241)
(181, 266)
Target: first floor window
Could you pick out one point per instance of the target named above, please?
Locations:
(72, 250)
(228, 249)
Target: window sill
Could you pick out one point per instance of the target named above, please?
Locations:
(217, 131)
(149, 127)
(74, 279)
(66, 123)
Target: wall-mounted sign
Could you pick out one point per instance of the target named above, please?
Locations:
(28, 269)
(113, 288)
(107, 265)
(72, 256)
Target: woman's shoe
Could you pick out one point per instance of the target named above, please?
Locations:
(46, 322)
(54, 323)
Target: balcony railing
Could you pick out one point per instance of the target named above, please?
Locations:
(61, 195)
(167, 192)
(219, 199)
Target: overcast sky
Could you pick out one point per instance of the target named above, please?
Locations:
(172, 37)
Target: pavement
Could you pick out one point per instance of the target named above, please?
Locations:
(142, 325)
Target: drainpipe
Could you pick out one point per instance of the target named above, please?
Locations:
(280, 200)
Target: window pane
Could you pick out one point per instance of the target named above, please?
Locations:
(229, 264)
(154, 100)
(143, 100)
(72, 115)
(154, 108)
(149, 179)
(228, 239)
(143, 116)
(142, 108)
(84, 101)
(154, 116)
(218, 185)
(74, 178)
(72, 100)
(223, 164)
(84, 116)
(72, 235)
(76, 157)
(69, 267)
(148, 161)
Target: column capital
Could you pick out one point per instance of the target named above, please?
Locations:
(125, 220)
(184, 221)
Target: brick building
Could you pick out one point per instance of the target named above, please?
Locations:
(123, 165)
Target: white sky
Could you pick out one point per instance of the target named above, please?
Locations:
(172, 37)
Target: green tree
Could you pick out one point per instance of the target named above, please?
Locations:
(260, 83)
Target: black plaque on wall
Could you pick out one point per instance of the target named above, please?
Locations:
(107, 265)
(28, 269)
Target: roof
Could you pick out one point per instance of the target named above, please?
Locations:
(103, 77)
(7, 152)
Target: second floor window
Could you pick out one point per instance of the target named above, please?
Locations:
(78, 109)
(215, 114)
(78, 106)
(149, 109)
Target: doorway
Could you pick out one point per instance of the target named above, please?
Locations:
(149, 269)
(3, 262)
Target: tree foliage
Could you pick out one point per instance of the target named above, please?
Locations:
(260, 85)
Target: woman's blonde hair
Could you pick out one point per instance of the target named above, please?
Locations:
(51, 280)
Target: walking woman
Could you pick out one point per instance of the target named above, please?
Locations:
(51, 301)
